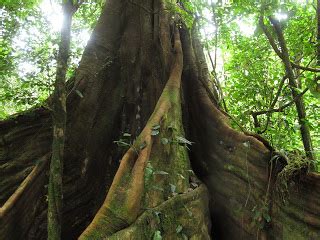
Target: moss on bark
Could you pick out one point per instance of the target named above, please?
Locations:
(155, 168)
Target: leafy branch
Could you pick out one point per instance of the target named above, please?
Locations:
(280, 109)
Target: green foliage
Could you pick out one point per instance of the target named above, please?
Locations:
(155, 130)
(28, 50)
(252, 72)
(157, 235)
(261, 216)
(164, 141)
(160, 173)
(314, 87)
(125, 141)
(179, 229)
(183, 141)
(18, 6)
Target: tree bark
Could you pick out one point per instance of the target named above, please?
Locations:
(59, 118)
(129, 77)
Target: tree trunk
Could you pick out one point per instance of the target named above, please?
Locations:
(142, 75)
(59, 118)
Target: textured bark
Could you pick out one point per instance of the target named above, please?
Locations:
(59, 119)
(149, 175)
(122, 74)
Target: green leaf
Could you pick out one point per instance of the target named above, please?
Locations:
(127, 135)
(157, 235)
(179, 229)
(79, 93)
(122, 143)
(164, 141)
(156, 127)
(143, 145)
(180, 175)
(266, 216)
(161, 173)
(148, 171)
(172, 188)
(183, 140)
(314, 87)
(154, 132)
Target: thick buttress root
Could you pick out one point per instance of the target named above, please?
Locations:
(154, 169)
(21, 207)
(239, 175)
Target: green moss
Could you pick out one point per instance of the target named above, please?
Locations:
(294, 167)
(172, 218)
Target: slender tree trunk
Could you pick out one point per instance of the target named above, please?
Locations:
(302, 118)
(59, 118)
(283, 53)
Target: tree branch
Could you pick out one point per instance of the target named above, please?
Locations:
(300, 107)
(305, 68)
(270, 38)
(273, 103)
(217, 83)
(280, 109)
(278, 92)
(277, 50)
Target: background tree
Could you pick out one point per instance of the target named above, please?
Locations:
(59, 119)
(257, 73)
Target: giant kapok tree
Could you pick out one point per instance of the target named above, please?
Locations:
(186, 174)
